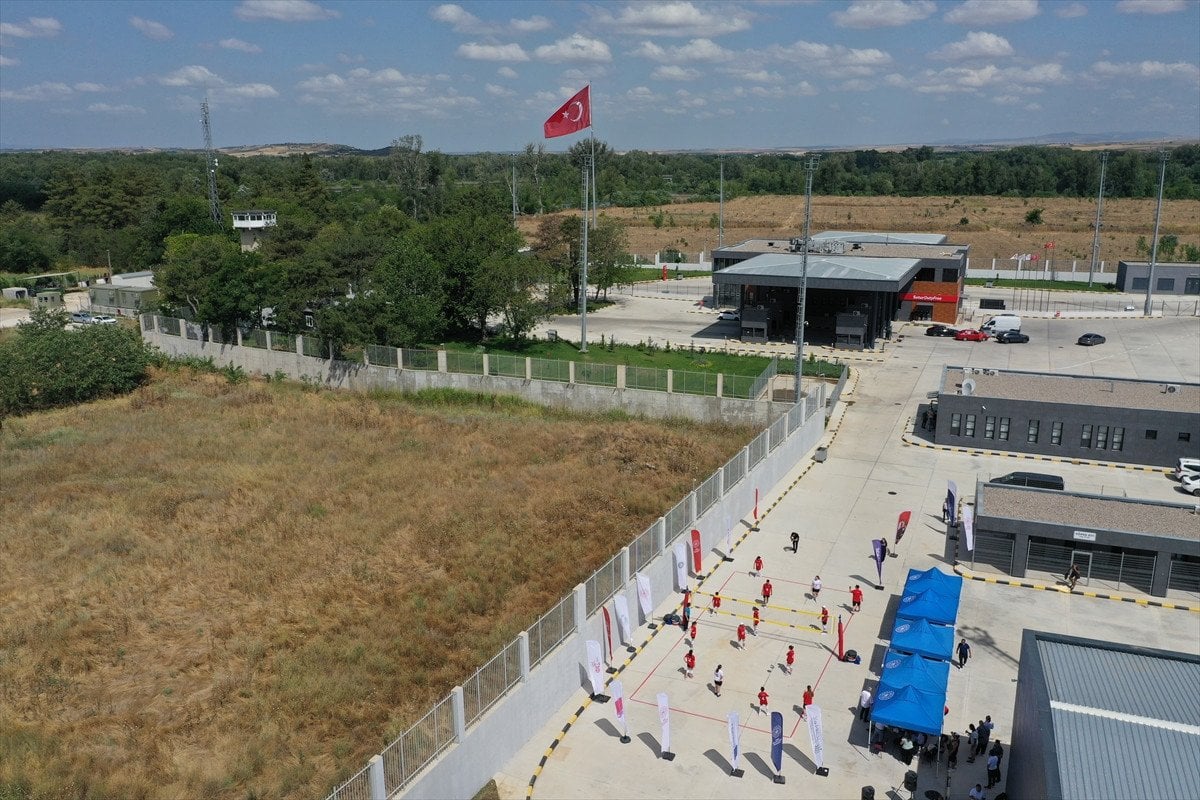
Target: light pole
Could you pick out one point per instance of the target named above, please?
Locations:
(808, 181)
(1099, 210)
(1162, 177)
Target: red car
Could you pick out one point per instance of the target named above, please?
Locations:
(969, 335)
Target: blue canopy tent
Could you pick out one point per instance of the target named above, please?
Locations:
(909, 708)
(929, 604)
(902, 669)
(920, 637)
(933, 578)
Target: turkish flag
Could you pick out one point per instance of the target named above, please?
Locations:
(575, 115)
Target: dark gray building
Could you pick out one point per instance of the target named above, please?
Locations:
(1146, 545)
(1102, 721)
(1171, 278)
(1072, 416)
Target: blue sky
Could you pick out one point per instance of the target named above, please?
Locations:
(664, 75)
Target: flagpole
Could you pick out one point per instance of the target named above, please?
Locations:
(583, 269)
(592, 128)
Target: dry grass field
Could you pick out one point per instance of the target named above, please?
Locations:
(216, 590)
(995, 226)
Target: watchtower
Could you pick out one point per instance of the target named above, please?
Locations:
(252, 226)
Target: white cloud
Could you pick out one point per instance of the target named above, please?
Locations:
(384, 93)
(238, 44)
(246, 91)
(458, 18)
(1150, 6)
(674, 72)
(990, 12)
(107, 108)
(1006, 100)
(531, 25)
(641, 94)
(347, 58)
(1029, 80)
(151, 29)
(38, 92)
(1070, 10)
(283, 11)
(323, 83)
(753, 75)
(33, 28)
(673, 19)
(575, 48)
(498, 91)
(697, 50)
(5, 61)
(836, 61)
(86, 86)
(883, 13)
(493, 52)
(193, 75)
(978, 44)
(507, 72)
(1147, 69)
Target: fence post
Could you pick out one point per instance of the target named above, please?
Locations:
(580, 607)
(485, 364)
(366, 356)
(239, 336)
(660, 534)
(300, 345)
(692, 504)
(375, 779)
(570, 372)
(268, 337)
(528, 368)
(458, 708)
(523, 654)
(720, 384)
(620, 376)
(623, 565)
(441, 355)
(670, 381)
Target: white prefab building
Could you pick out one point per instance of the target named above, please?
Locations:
(252, 225)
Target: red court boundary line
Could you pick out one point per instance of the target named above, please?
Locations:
(821, 674)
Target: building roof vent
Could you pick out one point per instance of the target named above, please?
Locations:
(968, 387)
(1170, 388)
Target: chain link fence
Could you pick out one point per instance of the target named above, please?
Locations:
(283, 342)
(464, 363)
(382, 356)
(255, 338)
(492, 681)
(315, 347)
(419, 359)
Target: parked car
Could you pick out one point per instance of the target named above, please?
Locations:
(102, 319)
(729, 316)
(941, 330)
(1090, 339)
(969, 335)
(1191, 484)
(1038, 480)
(81, 317)
(1185, 467)
(1011, 337)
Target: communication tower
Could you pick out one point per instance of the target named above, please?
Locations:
(210, 165)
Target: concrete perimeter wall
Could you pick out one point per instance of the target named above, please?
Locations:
(496, 738)
(574, 396)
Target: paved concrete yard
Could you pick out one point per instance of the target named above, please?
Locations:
(838, 507)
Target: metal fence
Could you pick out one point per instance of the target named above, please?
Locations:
(315, 347)
(506, 366)
(419, 359)
(704, 383)
(492, 681)
(735, 470)
(168, 325)
(255, 338)
(464, 363)
(548, 632)
(642, 550)
(419, 745)
(382, 355)
(708, 493)
(595, 374)
(757, 449)
(649, 378)
(603, 584)
(679, 518)
(283, 342)
(357, 787)
(549, 369)
(763, 381)
(777, 432)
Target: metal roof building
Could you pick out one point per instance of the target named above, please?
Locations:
(1102, 721)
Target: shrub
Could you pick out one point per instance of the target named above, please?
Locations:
(45, 365)
(1034, 216)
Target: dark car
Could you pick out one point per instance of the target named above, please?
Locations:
(940, 330)
(1011, 337)
(1038, 480)
(1089, 339)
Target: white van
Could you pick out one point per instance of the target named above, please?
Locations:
(1001, 323)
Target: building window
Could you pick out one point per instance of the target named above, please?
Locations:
(1032, 437)
(1118, 438)
(1184, 436)
(955, 424)
(1004, 423)
(1165, 285)
(1085, 438)
(1055, 433)
(1102, 437)
(1151, 434)
(926, 274)
(950, 274)
(989, 427)
(969, 430)
(1140, 284)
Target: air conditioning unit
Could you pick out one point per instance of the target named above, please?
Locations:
(991, 372)
(1170, 388)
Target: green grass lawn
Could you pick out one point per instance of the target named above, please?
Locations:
(1022, 283)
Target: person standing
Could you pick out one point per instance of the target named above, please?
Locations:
(993, 770)
(808, 696)
(718, 679)
(984, 733)
(964, 652)
(767, 589)
(687, 596)
(883, 548)
(997, 751)
(685, 619)
(856, 597)
(1072, 577)
(795, 542)
(756, 620)
(977, 793)
(790, 659)
(758, 565)
(907, 748)
(763, 697)
(946, 510)
(952, 751)
(741, 635)
(693, 634)
(864, 705)
(689, 663)
(716, 603)
(816, 587)
(972, 743)
(824, 620)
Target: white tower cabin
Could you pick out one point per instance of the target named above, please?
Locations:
(252, 226)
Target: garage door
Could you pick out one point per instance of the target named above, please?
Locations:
(994, 549)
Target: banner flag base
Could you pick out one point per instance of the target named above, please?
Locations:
(879, 588)
(668, 756)
(737, 773)
(823, 772)
(625, 740)
(779, 779)
(611, 670)
(630, 649)
(600, 698)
